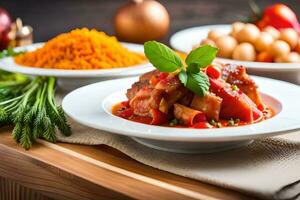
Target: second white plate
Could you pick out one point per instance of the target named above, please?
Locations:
(71, 79)
(186, 39)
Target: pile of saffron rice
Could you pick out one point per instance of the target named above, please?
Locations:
(81, 49)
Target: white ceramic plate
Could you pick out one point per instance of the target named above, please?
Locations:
(70, 79)
(91, 106)
(186, 39)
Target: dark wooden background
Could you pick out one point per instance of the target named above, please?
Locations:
(51, 17)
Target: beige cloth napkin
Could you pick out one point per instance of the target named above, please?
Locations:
(269, 168)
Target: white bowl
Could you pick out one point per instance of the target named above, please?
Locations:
(185, 40)
(71, 79)
(91, 106)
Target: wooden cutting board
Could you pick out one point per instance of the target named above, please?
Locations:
(69, 171)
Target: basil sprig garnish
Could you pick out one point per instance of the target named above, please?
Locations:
(166, 60)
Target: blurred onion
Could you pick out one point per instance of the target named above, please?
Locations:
(141, 20)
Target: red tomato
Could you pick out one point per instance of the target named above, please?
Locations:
(199, 118)
(213, 72)
(126, 113)
(163, 75)
(201, 125)
(158, 118)
(125, 103)
(235, 104)
(279, 16)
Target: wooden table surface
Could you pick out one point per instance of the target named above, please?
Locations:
(67, 171)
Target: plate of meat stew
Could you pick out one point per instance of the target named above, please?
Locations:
(188, 106)
(133, 107)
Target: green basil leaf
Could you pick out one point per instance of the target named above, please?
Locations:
(162, 57)
(198, 83)
(183, 77)
(202, 56)
(193, 68)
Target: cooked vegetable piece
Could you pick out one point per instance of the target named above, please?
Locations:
(188, 116)
(202, 125)
(213, 72)
(236, 75)
(210, 104)
(158, 118)
(235, 104)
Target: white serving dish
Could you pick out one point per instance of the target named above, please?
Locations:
(186, 39)
(91, 106)
(71, 79)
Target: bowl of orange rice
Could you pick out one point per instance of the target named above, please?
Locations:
(79, 57)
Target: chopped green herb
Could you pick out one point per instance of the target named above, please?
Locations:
(216, 124)
(231, 122)
(235, 88)
(174, 122)
(212, 122)
(166, 60)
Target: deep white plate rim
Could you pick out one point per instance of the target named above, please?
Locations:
(225, 27)
(121, 126)
(9, 65)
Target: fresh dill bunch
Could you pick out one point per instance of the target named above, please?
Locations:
(30, 105)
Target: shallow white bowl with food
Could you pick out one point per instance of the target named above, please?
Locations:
(71, 79)
(186, 39)
(92, 106)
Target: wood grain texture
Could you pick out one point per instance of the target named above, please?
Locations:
(12, 190)
(49, 180)
(56, 171)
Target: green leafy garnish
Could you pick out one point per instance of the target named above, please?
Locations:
(202, 56)
(198, 83)
(162, 57)
(183, 77)
(191, 76)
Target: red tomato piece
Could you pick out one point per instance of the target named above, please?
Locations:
(158, 118)
(125, 103)
(126, 113)
(202, 125)
(235, 103)
(200, 117)
(163, 75)
(154, 80)
(213, 72)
